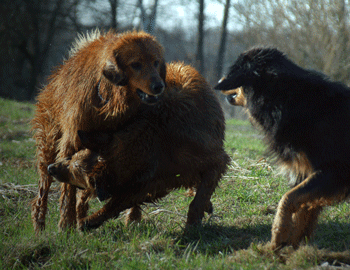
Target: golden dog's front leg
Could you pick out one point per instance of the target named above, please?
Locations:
(67, 207)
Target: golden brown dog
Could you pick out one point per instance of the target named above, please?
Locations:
(99, 87)
(177, 143)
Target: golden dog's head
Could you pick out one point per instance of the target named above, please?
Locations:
(138, 62)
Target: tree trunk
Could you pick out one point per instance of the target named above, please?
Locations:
(114, 12)
(222, 48)
(148, 21)
(200, 44)
(343, 73)
(41, 46)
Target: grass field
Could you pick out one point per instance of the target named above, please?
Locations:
(234, 237)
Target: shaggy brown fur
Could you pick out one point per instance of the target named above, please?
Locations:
(304, 117)
(176, 143)
(126, 69)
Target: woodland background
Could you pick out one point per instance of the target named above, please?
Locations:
(35, 35)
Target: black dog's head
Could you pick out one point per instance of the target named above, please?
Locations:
(254, 65)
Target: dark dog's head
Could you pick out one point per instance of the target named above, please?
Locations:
(88, 168)
(74, 170)
(257, 64)
(138, 62)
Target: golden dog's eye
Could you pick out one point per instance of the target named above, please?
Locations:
(156, 64)
(136, 65)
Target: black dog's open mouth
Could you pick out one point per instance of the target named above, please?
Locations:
(145, 98)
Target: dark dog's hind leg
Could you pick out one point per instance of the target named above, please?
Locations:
(110, 210)
(201, 201)
(134, 214)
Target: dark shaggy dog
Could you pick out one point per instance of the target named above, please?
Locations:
(304, 116)
(126, 69)
(176, 143)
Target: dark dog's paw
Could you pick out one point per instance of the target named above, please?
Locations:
(84, 225)
(209, 208)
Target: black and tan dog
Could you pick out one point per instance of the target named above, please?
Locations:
(305, 119)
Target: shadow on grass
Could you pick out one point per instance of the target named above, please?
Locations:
(332, 235)
(215, 238)
(208, 238)
(329, 236)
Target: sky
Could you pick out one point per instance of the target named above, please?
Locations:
(182, 15)
(213, 10)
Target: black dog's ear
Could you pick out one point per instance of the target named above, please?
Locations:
(114, 74)
(95, 140)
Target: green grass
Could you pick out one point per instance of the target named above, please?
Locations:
(234, 237)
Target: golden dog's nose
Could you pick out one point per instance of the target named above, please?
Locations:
(157, 87)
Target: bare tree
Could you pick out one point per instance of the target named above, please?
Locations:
(114, 12)
(27, 31)
(148, 20)
(221, 52)
(315, 34)
(200, 41)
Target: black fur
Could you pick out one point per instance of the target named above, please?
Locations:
(301, 112)
(297, 109)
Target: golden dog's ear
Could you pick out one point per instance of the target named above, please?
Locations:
(114, 74)
(162, 72)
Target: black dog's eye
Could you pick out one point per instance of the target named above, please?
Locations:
(136, 65)
(156, 64)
